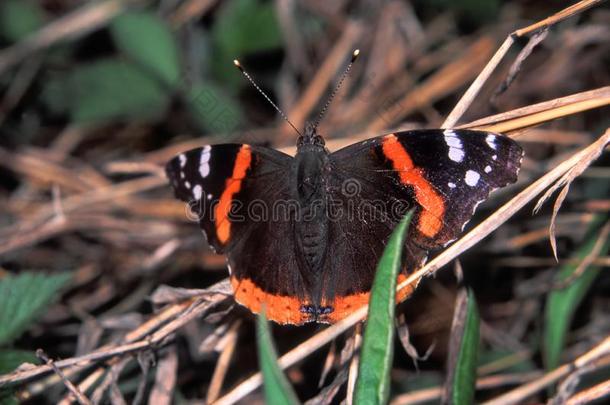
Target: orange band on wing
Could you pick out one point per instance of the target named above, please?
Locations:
(232, 187)
(343, 306)
(279, 308)
(430, 218)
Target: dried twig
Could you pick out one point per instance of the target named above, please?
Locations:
(482, 78)
(82, 399)
(518, 395)
(147, 336)
(483, 383)
(535, 114)
(565, 182)
(558, 17)
(222, 365)
(80, 22)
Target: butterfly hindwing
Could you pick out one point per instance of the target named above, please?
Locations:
(358, 236)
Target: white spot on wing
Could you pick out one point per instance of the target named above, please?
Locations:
(456, 153)
(197, 191)
(451, 185)
(187, 184)
(209, 196)
(487, 169)
(472, 178)
(182, 159)
(204, 166)
(495, 157)
(491, 141)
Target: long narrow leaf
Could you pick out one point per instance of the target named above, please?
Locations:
(463, 350)
(275, 384)
(562, 303)
(373, 384)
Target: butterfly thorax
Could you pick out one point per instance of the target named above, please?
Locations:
(311, 169)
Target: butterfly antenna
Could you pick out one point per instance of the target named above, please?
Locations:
(337, 87)
(243, 71)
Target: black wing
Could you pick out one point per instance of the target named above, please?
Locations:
(241, 196)
(443, 174)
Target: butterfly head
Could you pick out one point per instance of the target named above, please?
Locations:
(310, 137)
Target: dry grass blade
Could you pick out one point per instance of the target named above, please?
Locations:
(353, 365)
(434, 393)
(319, 84)
(162, 392)
(148, 335)
(80, 22)
(536, 39)
(445, 81)
(599, 353)
(222, 365)
(587, 261)
(558, 17)
(591, 394)
(80, 397)
(470, 94)
(535, 114)
(102, 387)
(566, 180)
(568, 386)
(328, 363)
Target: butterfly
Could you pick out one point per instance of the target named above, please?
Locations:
(303, 234)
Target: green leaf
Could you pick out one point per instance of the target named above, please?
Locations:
(18, 18)
(11, 359)
(6, 398)
(275, 384)
(242, 27)
(147, 40)
(212, 110)
(463, 351)
(106, 90)
(24, 298)
(373, 384)
(562, 303)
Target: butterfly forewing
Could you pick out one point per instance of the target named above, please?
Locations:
(242, 197)
(445, 174)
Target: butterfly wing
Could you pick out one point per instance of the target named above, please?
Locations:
(444, 175)
(365, 216)
(241, 194)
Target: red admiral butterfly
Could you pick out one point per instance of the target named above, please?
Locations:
(303, 234)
